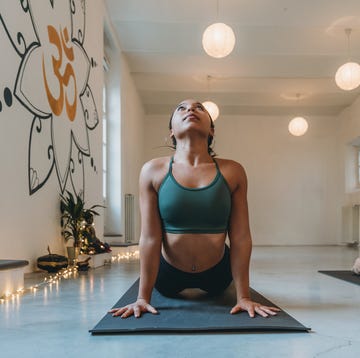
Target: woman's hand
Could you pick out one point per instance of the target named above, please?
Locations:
(135, 309)
(245, 304)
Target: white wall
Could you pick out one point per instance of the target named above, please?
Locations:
(132, 129)
(29, 211)
(294, 194)
(349, 135)
(125, 141)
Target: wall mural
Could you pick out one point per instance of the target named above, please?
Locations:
(52, 84)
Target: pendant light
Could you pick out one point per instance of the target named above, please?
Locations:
(298, 126)
(218, 39)
(210, 106)
(347, 76)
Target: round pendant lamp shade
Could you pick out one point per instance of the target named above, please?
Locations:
(212, 108)
(347, 77)
(218, 40)
(298, 126)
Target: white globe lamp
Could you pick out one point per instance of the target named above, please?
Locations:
(298, 126)
(218, 40)
(212, 108)
(347, 76)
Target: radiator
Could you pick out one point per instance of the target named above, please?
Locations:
(129, 219)
(350, 223)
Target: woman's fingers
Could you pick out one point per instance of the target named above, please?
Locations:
(235, 309)
(265, 311)
(259, 310)
(137, 311)
(118, 311)
(271, 310)
(133, 309)
(254, 307)
(151, 309)
(113, 310)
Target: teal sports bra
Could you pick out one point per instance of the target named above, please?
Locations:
(194, 210)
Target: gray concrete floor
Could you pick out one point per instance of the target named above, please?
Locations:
(54, 321)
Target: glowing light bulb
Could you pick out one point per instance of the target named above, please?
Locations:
(218, 40)
(212, 108)
(347, 76)
(298, 126)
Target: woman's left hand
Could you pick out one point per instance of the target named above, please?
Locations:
(245, 304)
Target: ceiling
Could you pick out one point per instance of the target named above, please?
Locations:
(284, 62)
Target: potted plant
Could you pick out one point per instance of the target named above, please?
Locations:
(72, 208)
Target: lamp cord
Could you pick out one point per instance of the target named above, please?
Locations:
(348, 33)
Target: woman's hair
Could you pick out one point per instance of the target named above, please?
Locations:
(210, 137)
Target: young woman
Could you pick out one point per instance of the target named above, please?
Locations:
(189, 203)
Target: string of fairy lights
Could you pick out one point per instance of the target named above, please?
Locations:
(71, 272)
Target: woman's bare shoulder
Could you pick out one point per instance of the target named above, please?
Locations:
(156, 164)
(229, 164)
(233, 172)
(154, 171)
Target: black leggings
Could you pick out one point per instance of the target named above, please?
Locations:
(170, 281)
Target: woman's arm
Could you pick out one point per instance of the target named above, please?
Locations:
(150, 245)
(241, 246)
(151, 233)
(239, 234)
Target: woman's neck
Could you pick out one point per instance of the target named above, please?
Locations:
(192, 153)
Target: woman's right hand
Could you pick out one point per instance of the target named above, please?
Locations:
(135, 309)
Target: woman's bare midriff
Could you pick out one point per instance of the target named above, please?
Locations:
(193, 252)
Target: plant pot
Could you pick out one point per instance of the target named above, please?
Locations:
(73, 253)
(52, 262)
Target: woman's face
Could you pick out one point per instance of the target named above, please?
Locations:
(191, 114)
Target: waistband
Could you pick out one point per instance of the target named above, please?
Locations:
(224, 261)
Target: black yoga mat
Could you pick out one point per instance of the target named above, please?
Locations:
(194, 312)
(345, 275)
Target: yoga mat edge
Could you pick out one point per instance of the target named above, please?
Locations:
(204, 315)
(343, 275)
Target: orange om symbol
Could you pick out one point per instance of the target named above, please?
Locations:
(57, 104)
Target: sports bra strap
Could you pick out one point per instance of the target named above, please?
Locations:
(171, 164)
(216, 164)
